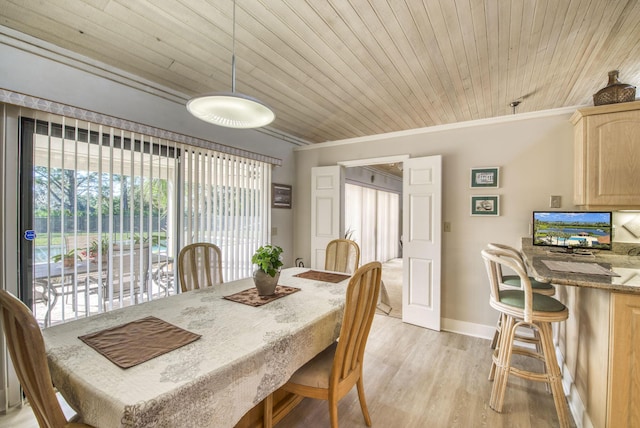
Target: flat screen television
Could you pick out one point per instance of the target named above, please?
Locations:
(571, 231)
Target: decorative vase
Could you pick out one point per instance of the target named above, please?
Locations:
(265, 283)
(615, 91)
(69, 261)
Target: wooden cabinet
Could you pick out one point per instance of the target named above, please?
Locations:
(583, 342)
(601, 356)
(624, 362)
(607, 156)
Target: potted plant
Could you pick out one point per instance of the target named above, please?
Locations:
(95, 246)
(68, 259)
(266, 276)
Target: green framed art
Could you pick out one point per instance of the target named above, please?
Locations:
(485, 205)
(485, 177)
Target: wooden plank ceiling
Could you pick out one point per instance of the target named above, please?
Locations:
(335, 69)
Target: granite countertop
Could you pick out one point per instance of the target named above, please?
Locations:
(617, 261)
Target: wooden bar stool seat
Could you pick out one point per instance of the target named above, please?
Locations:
(524, 308)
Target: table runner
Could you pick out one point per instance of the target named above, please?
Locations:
(251, 297)
(323, 276)
(135, 342)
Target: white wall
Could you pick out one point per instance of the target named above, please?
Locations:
(535, 155)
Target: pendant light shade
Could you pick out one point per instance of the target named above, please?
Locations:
(231, 109)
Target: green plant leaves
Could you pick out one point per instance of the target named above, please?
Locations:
(267, 258)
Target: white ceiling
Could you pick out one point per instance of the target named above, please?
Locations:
(335, 69)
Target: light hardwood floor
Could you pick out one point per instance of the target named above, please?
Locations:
(421, 378)
(416, 378)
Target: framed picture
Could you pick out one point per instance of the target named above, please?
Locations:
(485, 177)
(280, 196)
(485, 205)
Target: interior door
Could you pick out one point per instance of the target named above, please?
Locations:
(327, 217)
(422, 237)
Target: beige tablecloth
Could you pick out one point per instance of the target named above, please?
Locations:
(244, 354)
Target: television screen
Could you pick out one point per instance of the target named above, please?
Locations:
(589, 230)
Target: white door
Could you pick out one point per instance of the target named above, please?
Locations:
(422, 236)
(327, 217)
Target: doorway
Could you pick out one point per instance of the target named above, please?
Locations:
(421, 229)
(373, 219)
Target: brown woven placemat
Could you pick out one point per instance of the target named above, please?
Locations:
(251, 297)
(138, 341)
(323, 276)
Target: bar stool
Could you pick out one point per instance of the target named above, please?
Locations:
(513, 282)
(523, 308)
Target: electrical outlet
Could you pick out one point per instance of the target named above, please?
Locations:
(555, 202)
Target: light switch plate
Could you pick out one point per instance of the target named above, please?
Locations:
(555, 202)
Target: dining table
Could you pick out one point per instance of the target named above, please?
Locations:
(240, 355)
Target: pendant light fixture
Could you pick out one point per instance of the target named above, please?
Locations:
(231, 109)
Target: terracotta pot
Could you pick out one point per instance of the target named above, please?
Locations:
(265, 283)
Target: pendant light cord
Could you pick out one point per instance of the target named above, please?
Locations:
(231, 110)
(233, 51)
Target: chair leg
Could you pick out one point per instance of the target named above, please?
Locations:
(267, 418)
(495, 345)
(553, 374)
(496, 335)
(539, 350)
(363, 402)
(333, 411)
(503, 364)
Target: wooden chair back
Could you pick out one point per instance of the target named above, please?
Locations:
(26, 347)
(361, 301)
(199, 266)
(342, 255)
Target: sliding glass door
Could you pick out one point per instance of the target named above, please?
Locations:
(99, 205)
(107, 210)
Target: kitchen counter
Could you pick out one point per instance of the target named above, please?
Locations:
(597, 345)
(627, 267)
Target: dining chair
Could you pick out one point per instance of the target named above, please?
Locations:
(342, 255)
(199, 266)
(332, 374)
(518, 309)
(26, 347)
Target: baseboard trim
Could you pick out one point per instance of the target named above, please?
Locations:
(468, 328)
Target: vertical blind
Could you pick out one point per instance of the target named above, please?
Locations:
(226, 202)
(372, 219)
(120, 204)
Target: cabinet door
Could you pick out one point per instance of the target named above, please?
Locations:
(613, 159)
(624, 383)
